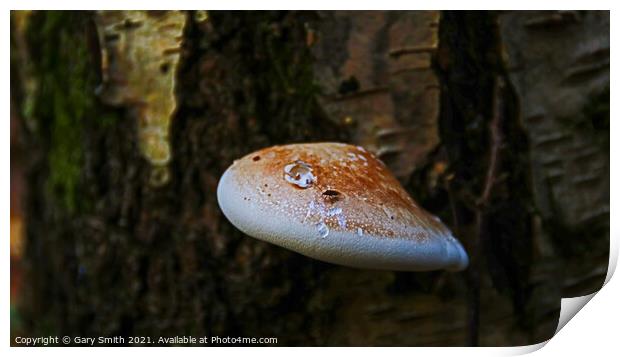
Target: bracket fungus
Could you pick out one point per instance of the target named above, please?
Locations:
(336, 203)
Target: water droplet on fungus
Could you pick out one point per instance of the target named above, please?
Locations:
(334, 211)
(322, 229)
(299, 174)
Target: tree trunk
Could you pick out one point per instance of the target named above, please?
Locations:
(496, 122)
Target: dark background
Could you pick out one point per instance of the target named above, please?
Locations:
(496, 122)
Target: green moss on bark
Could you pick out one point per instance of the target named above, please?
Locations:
(64, 99)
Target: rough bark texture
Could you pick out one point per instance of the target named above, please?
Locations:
(489, 120)
(559, 64)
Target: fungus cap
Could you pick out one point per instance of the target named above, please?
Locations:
(336, 203)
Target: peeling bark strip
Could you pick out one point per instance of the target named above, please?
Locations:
(140, 56)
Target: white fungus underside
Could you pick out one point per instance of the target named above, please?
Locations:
(260, 220)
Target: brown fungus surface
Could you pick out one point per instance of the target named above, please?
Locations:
(314, 192)
(347, 178)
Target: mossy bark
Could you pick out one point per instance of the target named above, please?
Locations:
(109, 254)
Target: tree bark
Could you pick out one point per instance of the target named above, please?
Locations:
(460, 106)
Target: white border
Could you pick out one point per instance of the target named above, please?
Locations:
(594, 328)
